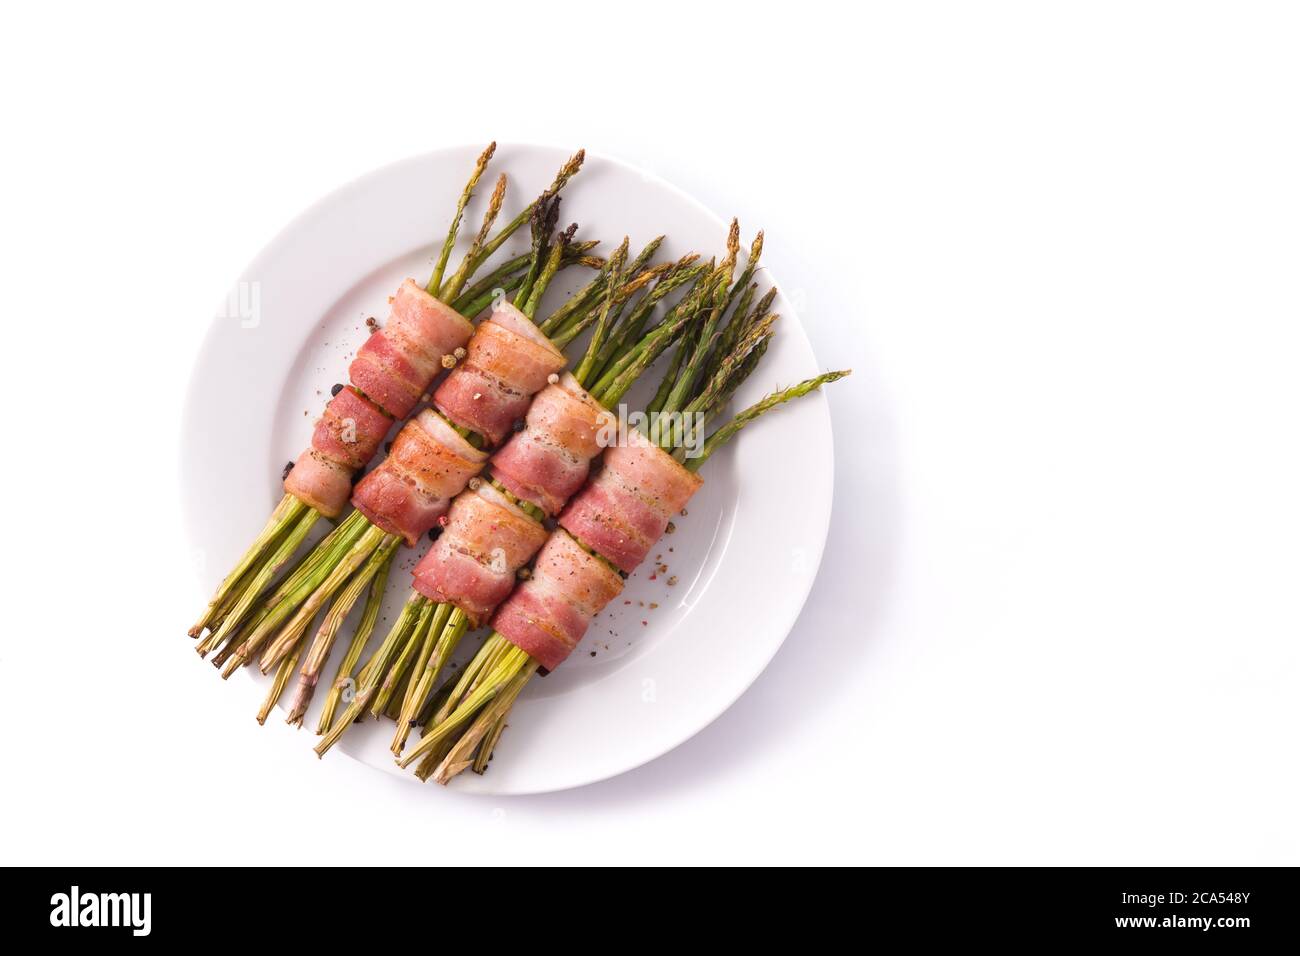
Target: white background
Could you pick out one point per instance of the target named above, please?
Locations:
(1057, 618)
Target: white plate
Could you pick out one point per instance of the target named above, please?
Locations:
(744, 558)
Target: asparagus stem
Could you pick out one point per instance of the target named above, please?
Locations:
(696, 347)
(567, 172)
(701, 411)
(374, 668)
(542, 225)
(451, 696)
(733, 368)
(234, 639)
(741, 316)
(394, 705)
(305, 580)
(395, 673)
(638, 265)
(473, 306)
(616, 380)
(745, 282)
(552, 266)
(489, 654)
(368, 680)
(281, 681)
(583, 319)
(447, 636)
(744, 320)
(562, 317)
(511, 663)
(629, 333)
(285, 515)
(602, 324)
(717, 341)
(228, 604)
(746, 417)
(284, 550)
(666, 385)
(324, 640)
(367, 544)
(489, 744)
(440, 615)
(476, 298)
(568, 322)
(628, 369)
(343, 675)
(435, 281)
(679, 394)
(461, 756)
(452, 289)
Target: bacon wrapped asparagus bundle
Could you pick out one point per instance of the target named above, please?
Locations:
(508, 360)
(608, 528)
(428, 454)
(392, 370)
(563, 416)
(495, 527)
(473, 565)
(604, 533)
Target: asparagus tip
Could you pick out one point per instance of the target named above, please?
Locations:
(567, 172)
(552, 215)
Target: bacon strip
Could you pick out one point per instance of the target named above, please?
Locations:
(351, 429)
(428, 465)
(509, 360)
(473, 563)
(625, 509)
(394, 367)
(547, 615)
(549, 460)
(319, 482)
(398, 363)
(346, 437)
